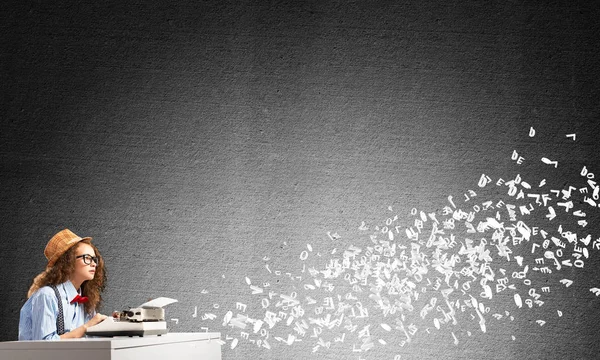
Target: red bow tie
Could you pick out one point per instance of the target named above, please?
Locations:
(79, 299)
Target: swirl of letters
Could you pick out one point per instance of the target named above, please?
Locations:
(395, 281)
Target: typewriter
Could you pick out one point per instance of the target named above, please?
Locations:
(147, 319)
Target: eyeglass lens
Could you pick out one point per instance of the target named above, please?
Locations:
(87, 259)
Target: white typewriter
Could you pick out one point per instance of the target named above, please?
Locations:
(147, 319)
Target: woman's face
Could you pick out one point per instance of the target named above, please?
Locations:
(84, 254)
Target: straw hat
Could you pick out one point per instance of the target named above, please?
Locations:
(60, 243)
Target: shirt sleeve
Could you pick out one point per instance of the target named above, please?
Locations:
(44, 311)
(89, 317)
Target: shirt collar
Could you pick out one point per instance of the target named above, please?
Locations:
(70, 290)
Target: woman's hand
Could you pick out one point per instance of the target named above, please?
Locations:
(97, 319)
(80, 331)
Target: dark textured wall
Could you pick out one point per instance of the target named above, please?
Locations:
(201, 143)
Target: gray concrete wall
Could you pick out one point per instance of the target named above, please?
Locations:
(206, 145)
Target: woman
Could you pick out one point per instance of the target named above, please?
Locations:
(62, 300)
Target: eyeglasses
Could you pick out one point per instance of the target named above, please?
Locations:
(87, 259)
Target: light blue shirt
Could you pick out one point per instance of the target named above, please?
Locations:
(39, 314)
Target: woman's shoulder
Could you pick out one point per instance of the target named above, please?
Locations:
(44, 292)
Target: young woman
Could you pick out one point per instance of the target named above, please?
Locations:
(62, 300)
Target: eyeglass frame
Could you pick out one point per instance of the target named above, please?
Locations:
(90, 257)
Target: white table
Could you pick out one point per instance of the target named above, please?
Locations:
(180, 346)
